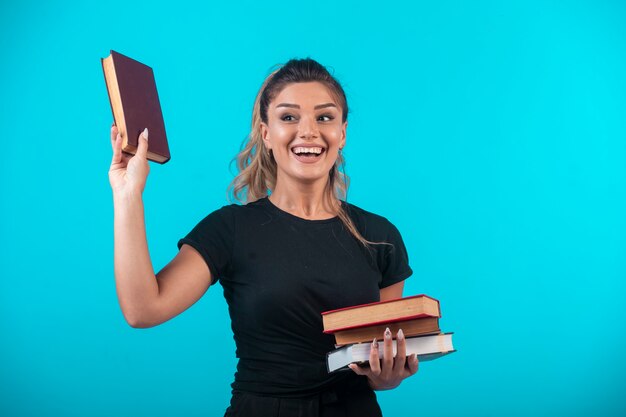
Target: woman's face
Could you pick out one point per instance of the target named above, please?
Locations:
(304, 131)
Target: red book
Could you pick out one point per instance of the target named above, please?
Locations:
(135, 104)
(379, 313)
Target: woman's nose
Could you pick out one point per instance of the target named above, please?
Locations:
(307, 128)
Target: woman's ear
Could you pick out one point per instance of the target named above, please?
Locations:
(265, 135)
(342, 143)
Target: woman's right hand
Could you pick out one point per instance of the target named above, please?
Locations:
(128, 174)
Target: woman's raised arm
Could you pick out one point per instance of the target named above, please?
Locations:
(146, 299)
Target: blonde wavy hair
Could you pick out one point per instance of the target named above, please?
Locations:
(257, 167)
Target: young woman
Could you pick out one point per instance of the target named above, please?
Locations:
(294, 250)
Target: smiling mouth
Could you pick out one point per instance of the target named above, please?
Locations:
(308, 154)
(307, 151)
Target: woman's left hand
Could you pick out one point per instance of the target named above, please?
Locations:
(389, 372)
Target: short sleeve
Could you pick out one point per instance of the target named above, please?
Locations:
(213, 237)
(393, 259)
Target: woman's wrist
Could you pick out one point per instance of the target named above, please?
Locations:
(378, 387)
(124, 199)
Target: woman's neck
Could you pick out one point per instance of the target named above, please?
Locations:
(308, 201)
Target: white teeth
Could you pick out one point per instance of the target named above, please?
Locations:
(302, 149)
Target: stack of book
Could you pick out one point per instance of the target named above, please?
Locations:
(356, 327)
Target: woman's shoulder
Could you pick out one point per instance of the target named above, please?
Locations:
(242, 207)
(236, 211)
(367, 221)
(228, 216)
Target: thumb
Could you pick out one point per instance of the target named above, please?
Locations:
(142, 141)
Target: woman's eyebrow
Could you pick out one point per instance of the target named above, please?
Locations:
(296, 106)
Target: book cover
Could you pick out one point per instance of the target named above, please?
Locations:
(135, 104)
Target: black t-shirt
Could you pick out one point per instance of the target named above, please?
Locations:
(279, 273)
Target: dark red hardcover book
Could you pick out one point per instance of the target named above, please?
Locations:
(135, 104)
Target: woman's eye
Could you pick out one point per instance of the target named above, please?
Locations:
(325, 118)
(287, 118)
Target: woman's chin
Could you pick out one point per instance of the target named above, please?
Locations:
(307, 176)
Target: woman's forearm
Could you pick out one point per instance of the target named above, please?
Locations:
(137, 288)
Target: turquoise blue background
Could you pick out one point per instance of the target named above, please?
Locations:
(493, 134)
